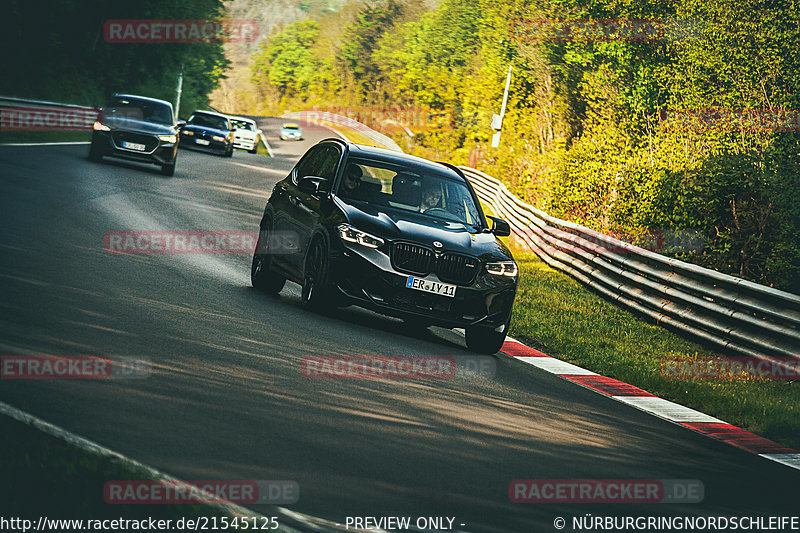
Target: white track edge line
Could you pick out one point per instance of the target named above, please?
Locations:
(791, 460)
(269, 148)
(65, 143)
(667, 410)
(93, 448)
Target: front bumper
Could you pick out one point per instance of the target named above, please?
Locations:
(217, 147)
(244, 144)
(365, 277)
(110, 143)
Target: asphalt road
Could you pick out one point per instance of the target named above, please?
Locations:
(227, 399)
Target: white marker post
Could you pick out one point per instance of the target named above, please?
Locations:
(178, 94)
(497, 120)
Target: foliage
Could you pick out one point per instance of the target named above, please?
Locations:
(598, 130)
(60, 52)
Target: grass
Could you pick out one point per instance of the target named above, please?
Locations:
(261, 148)
(559, 316)
(43, 475)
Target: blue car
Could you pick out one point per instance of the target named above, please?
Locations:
(291, 131)
(208, 131)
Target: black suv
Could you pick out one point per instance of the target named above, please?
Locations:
(390, 232)
(137, 128)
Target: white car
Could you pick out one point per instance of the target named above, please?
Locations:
(245, 134)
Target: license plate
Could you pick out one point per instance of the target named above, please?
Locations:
(434, 287)
(202, 141)
(133, 146)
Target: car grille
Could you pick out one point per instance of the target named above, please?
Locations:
(458, 269)
(411, 258)
(451, 268)
(149, 141)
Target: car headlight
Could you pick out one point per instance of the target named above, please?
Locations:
(187, 132)
(218, 138)
(99, 126)
(350, 234)
(168, 138)
(502, 268)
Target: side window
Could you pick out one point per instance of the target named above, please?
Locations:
(307, 166)
(328, 163)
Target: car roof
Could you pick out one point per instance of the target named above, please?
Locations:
(243, 119)
(290, 125)
(212, 113)
(393, 156)
(136, 96)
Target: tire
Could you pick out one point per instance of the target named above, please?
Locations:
(254, 150)
(94, 152)
(229, 153)
(316, 294)
(485, 340)
(261, 276)
(168, 170)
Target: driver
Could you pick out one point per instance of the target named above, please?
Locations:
(352, 180)
(431, 196)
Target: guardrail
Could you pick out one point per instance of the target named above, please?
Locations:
(730, 312)
(20, 114)
(320, 117)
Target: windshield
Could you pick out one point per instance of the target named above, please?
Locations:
(243, 125)
(137, 109)
(208, 121)
(409, 189)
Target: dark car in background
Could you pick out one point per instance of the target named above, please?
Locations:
(208, 131)
(136, 128)
(390, 232)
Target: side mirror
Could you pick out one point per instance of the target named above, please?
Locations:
(311, 184)
(181, 124)
(500, 227)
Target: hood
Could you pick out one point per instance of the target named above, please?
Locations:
(139, 126)
(397, 224)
